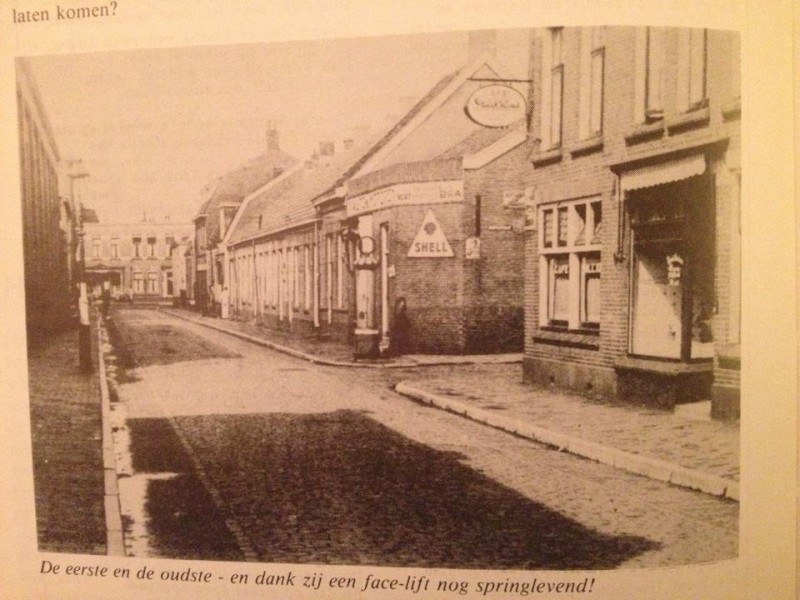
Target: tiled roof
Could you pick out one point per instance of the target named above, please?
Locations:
(290, 201)
(236, 185)
(479, 140)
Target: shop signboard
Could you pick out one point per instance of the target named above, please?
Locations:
(407, 194)
(496, 105)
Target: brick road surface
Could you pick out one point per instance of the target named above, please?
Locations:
(700, 444)
(66, 430)
(683, 526)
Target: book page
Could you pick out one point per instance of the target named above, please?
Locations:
(400, 163)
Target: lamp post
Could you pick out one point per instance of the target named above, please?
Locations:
(84, 333)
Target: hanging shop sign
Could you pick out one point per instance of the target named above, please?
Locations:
(430, 241)
(406, 194)
(496, 106)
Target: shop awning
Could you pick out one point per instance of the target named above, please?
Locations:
(675, 170)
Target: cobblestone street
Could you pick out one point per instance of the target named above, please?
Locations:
(432, 488)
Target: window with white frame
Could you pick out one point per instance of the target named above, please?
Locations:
(552, 89)
(138, 282)
(592, 68)
(691, 69)
(649, 79)
(295, 267)
(326, 287)
(151, 247)
(338, 265)
(307, 277)
(137, 246)
(569, 264)
(152, 282)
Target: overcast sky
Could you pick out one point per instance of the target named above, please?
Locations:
(154, 127)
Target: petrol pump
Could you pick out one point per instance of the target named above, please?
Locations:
(363, 259)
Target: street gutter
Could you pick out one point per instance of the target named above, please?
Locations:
(115, 542)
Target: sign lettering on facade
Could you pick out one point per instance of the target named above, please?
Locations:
(407, 194)
(496, 106)
(430, 241)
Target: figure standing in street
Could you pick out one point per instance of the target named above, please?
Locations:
(105, 299)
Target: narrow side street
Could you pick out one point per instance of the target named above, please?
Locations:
(302, 463)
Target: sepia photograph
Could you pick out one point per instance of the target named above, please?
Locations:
(435, 314)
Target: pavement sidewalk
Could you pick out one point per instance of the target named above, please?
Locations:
(683, 447)
(66, 429)
(677, 447)
(335, 354)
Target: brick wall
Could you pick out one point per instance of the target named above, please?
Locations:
(581, 169)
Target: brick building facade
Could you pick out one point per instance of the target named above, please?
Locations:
(135, 258)
(411, 242)
(632, 235)
(48, 216)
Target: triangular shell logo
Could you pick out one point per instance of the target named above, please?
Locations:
(430, 240)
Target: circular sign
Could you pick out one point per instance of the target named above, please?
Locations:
(496, 105)
(366, 245)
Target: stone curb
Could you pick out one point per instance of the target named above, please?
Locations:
(652, 468)
(466, 360)
(115, 544)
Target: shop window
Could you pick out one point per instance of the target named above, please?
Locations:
(672, 272)
(152, 283)
(570, 268)
(591, 81)
(138, 282)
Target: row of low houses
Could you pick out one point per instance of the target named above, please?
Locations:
(588, 217)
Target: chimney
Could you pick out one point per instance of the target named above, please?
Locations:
(273, 145)
(483, 41)
(326, 148)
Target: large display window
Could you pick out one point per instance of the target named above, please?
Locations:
(672, 270)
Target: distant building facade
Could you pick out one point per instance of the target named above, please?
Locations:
(48, 217)
(135, 258)
(632, 235)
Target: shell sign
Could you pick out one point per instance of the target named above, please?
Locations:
(430, 241)
(496, 106)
